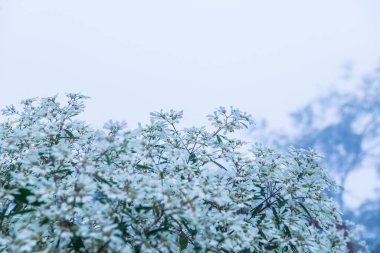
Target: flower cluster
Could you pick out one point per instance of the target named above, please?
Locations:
(65, 187)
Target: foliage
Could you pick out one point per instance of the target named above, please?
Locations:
(67, 187)
(350, 141)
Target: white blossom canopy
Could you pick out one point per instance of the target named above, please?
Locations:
(65, 187)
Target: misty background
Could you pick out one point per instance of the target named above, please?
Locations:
(306, 70)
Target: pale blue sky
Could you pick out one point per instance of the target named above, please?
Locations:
(133, 57)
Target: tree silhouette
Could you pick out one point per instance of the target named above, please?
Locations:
(345, 127)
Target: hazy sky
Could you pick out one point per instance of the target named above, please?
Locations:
(133, 57)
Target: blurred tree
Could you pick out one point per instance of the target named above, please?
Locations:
(345, 127)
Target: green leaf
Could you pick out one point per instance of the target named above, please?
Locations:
(294, 248)
(155, 231)
(197, 247)
(77, 244)
(281, 202)
(22, 194)
(257, 210)
(218, 138)
(304, 208)
(192, 158)
(137, 249)
(300, 176)
(262, 234)
(2, 215)
(142, 166)
(271, 246)
(64, 171)
(183, 242)
(287, 231)
(219, 165)
(257, 197)
(145, 208)
(108, 159)
(101, 179)
(184, 222)
(276, 217)
(25, 211)
(44, 221)
(70, 135)
(261, 219)
(245, 125)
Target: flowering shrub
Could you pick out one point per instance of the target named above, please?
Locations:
(65, 187)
